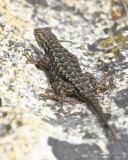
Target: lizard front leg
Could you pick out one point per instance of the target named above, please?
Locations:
(40, 64)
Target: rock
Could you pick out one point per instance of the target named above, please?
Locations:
(109, 55)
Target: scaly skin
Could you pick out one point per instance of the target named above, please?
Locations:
(65, 74)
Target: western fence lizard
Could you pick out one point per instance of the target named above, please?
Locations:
(65, 74)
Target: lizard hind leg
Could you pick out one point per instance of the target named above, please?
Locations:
(61, 89)
(59, 93)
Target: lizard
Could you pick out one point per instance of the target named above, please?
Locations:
(64, 73)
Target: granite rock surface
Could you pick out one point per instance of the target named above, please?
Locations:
(30, 127)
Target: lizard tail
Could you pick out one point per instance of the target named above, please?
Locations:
(96, 106)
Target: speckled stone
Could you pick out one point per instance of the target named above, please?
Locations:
(31, 128)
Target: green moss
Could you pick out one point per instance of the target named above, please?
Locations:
(106, 42)
(115, 50)
(119, 38)
(118, 41)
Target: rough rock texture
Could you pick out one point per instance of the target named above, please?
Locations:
(31, 128)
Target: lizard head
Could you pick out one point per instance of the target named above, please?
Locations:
(43, 35)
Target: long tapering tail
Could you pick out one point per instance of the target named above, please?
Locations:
(93, 100)
(98, 109)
